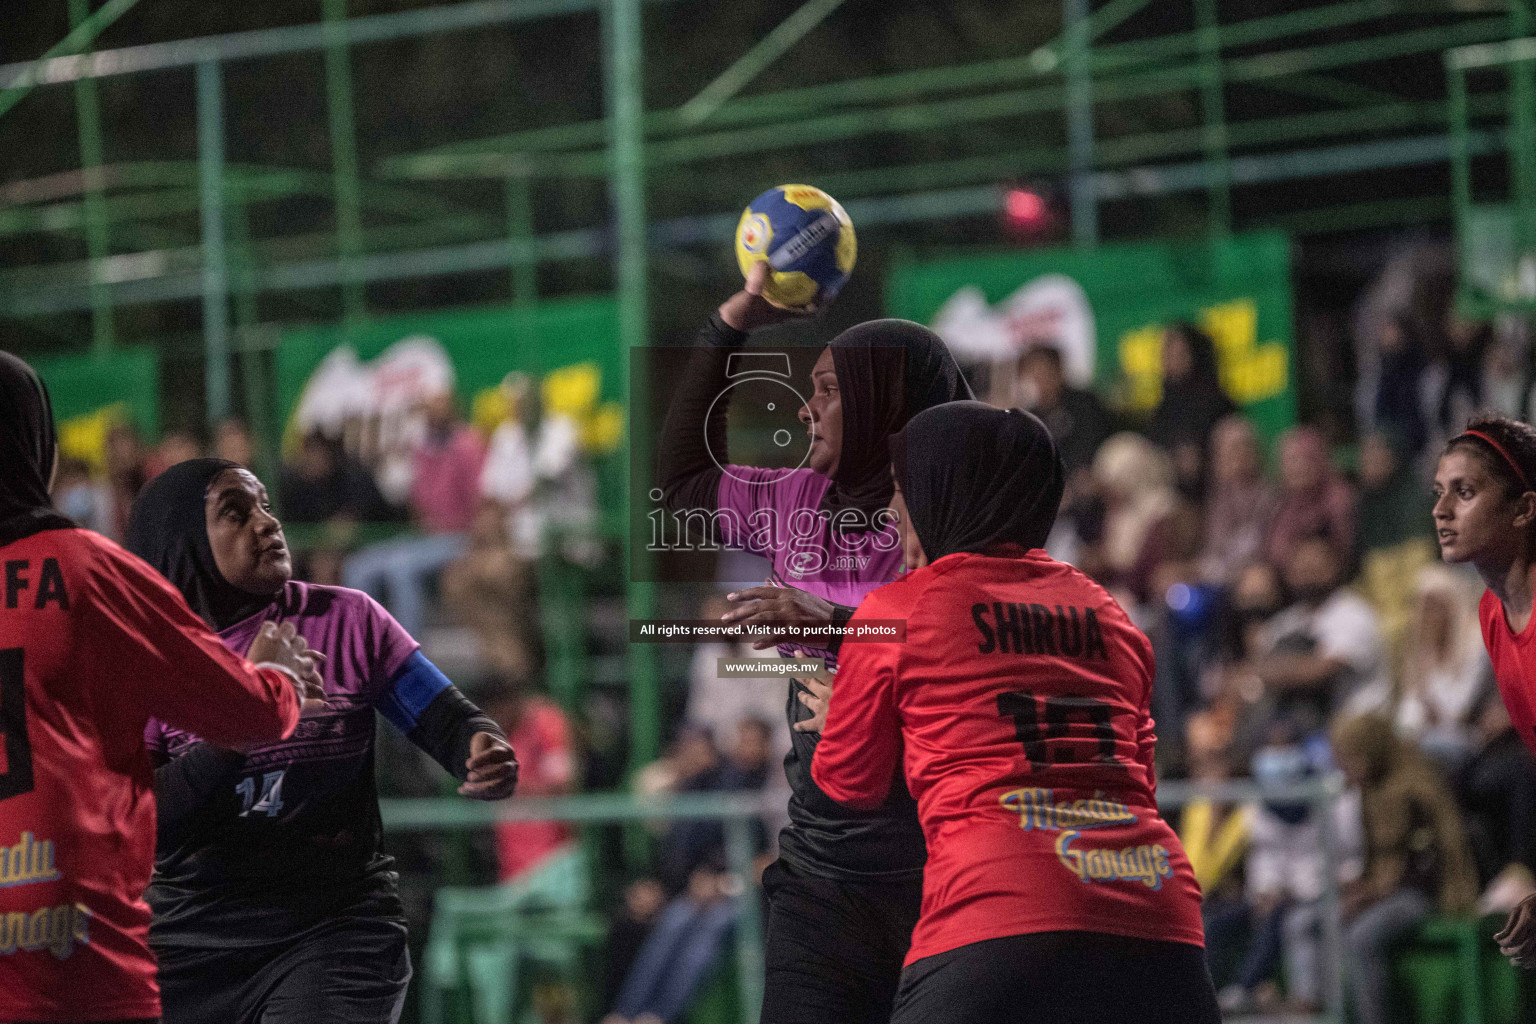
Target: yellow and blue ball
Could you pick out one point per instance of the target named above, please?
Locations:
(806, 238)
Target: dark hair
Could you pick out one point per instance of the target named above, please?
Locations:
(1050, 353)
(1202, 350)
(1516, 438)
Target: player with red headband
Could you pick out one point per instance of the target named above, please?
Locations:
(1485, 514)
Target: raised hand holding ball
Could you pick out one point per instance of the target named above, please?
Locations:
(805, 238)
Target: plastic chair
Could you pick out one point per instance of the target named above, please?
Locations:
(483, 937)
(1452, 973)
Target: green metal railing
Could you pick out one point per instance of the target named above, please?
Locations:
(1072, 74)
(1517, 59)
(738, 810)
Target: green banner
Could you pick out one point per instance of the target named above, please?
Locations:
(362, 384)
(1106, 308)
(93, 393)
(483, 344)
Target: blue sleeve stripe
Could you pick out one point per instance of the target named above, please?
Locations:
(415, 685)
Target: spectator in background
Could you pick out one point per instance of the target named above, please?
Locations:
(1077, 420)
(678, 953)
(1447, 679)
(83, 499)
(719, 704)
(1416, 857)
(1459, 390)
(1316, 502)
(507, 480)
(1325, 651)
(1215, 836)
(1506, 383)
(1239, 503)
(644, 900)
(323, 484)
(1394, 503)
(444, 499)
(232, 442)
(126, 473)
(1192, 403)
(1286, 875)
(1135, 479)
(1399, 404)
(692, 843)
(534, 471)
(491, 591)
(546, 767)
(689, 935)
(1183, 618)
(1396, 532)
(445, 482)
(175, 447)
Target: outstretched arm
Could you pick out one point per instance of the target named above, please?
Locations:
(434, 715)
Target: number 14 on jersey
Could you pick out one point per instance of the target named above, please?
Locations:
(271, 800)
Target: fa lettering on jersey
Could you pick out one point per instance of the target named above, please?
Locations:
(1010, 628)
(40, 588)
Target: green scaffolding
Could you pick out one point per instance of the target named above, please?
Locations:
(134, 258)
(1496, 234)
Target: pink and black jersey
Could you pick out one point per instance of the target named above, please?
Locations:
(257, 846)
(824, 535)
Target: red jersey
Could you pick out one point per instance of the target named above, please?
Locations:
(1514, 664)
(92, 643)
(1019, 707)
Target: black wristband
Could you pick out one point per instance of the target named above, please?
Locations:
(721, 334)
(445, 728)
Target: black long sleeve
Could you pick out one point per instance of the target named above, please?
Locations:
(184, 784)
(445, 728)
(688, 473)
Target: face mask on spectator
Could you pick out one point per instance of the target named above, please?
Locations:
(1282, 766)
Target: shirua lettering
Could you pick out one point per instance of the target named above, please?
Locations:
(49, 584)
(1035, 629)
(56, 929)
(1038, 810)
(29, 861)
(1147, 864)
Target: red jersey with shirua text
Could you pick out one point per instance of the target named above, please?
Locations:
(1018, 706)
(1514, 664)
(92, 643)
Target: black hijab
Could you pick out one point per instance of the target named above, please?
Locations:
(975, 477)
(887, 371)
(28, 445)
(168, 528)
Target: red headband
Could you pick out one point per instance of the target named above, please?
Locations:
(1519, 473)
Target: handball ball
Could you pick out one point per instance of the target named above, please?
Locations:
(805, 237)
